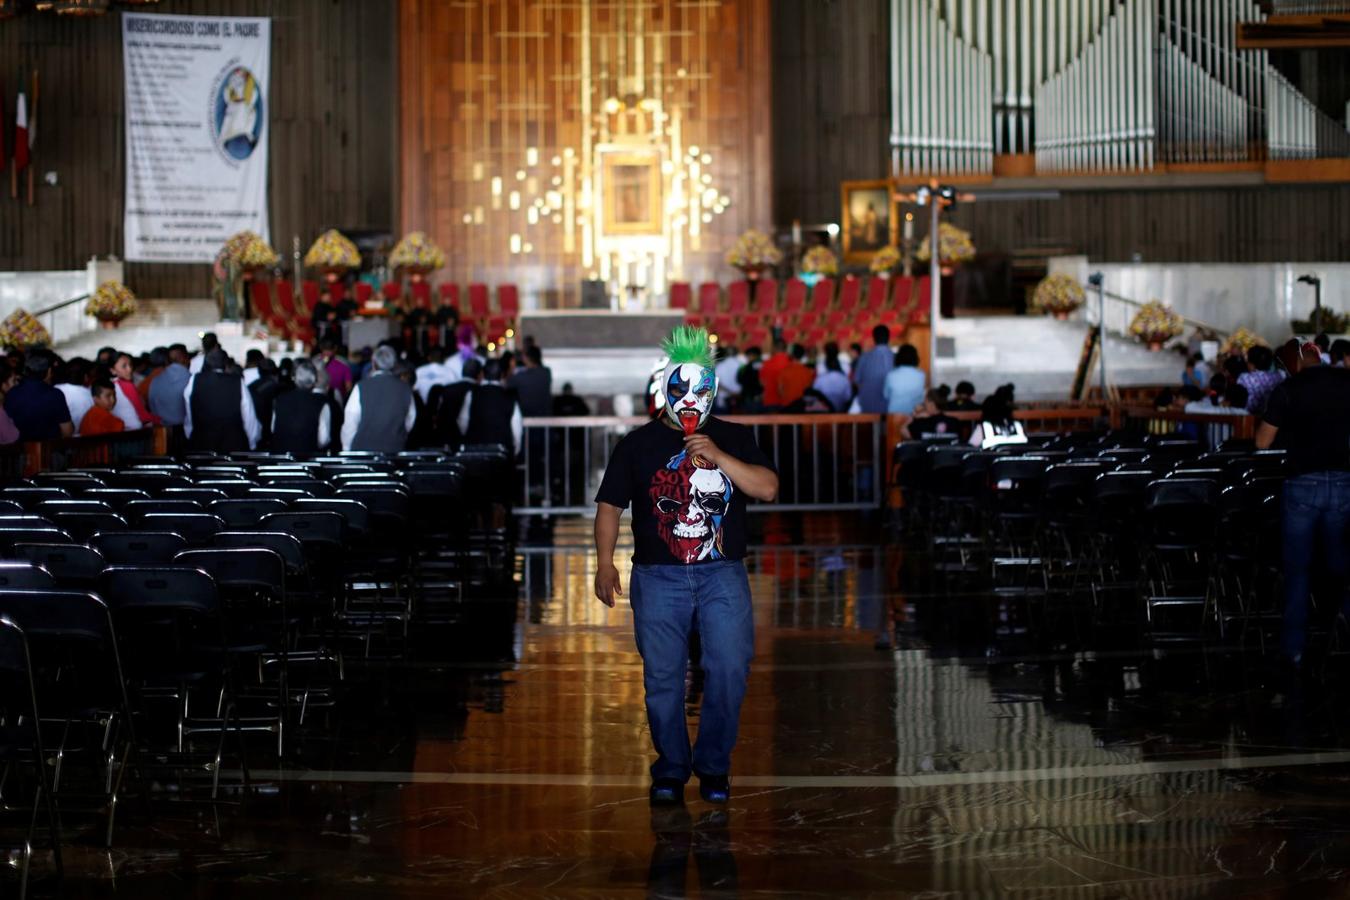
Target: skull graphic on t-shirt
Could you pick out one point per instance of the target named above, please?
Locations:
(689, 502)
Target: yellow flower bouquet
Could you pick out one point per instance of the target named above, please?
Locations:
(954, 246)
(1239, 342)
(21, 331)
(884, 261)
(256, 253)
(820, 261)
(1156, 324)
(332, 251)
(753, 252)
(418, 253)
(112, 302)
(1058, 295)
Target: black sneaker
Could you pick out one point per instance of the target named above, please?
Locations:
(666, 792)
(714, 788)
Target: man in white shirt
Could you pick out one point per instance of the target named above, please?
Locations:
(209, 343)
(75, 387)
(220, 415)
(381, 410)
(490, 414)
(437, 370)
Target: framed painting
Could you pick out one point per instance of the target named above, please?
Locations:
(866, 220)
(632, 196)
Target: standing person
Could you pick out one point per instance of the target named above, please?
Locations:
(339, 373)
(330, 397)
(264, 390)
(747, 378)
(209, 342)
(686, 476)
(490, 413)
(76, 377)
(301, 419)
(729, 388)
(1309, 417)
(167, 395)
(533, 384)
(833, 383)
(100, 419)
(381, 410)
(130, 407)
(220, 415)
(796, 378)
(437, 372)
(870, 371)
(39, 410)
(997, 424)
(450, 400)
(1259, 379)
(769, 374)
(905, 384)
(159, 359)
(9, 377)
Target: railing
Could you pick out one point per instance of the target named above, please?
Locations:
(62, 328)
(824, 462)
(19, 461)
(1120, 312)
(1211, 429)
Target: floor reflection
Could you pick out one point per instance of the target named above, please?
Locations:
(895, 740)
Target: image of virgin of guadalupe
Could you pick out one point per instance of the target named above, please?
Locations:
(239, 120)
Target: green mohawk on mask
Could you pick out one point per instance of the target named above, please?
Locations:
(688, 344)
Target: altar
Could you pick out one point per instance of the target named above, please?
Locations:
(585, 329)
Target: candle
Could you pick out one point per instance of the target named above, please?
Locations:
(909, 226)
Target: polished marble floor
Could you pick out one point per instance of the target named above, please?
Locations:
(507, 758)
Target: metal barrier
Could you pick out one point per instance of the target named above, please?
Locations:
(824, 462)
(1211, 429)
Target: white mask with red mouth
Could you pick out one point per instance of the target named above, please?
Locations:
(689, 389)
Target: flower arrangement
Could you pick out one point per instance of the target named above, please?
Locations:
(1156, 324)
(954, 246)
(753, 251)
(416, 251)
(884, 261)
(257, 253)
(1322, 321)
(112, 302)
(332, 251)
(1058, 295)
(21, 331)
(1239, 342)
(820, 261)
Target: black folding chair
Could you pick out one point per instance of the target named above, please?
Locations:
(245, 512)
(30, 497)
(116, 498)
(138, 548)
(198, 529)
(82, 525)
(25, 576)
(204, 496)
(22, 745)
(137, 510)
(74, 566)
(51, 508)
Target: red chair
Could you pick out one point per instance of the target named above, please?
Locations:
(849, 291)
(721, 326)
(363, 292)
(681, 294)
(421, 294)
(903, 295)
(337, 290)
(496, 329)
(709, 298)
(391, 291)
(310, 291)
(738, 298)
(822, 295)
(794, 296)
(766, 296)
(479, 308)
(508, 301)
(449, 292)
(260, 293)
(920, 308)
(876, 292)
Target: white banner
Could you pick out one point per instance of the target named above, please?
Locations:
(196, 121)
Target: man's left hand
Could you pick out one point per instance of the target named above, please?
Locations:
(702, 445)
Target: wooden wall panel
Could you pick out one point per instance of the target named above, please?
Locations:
(830, 103)
(333, 117)
(482, 80)
(1230, 224)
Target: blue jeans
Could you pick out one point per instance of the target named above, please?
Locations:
(669, 601)
(1316, 508)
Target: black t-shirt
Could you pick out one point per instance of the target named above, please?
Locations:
(938, 424)
(682, 513)
(1312, 411)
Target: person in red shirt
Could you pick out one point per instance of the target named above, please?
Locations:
(769, 372)
(796, 378)
(121, 369)
(99, 419)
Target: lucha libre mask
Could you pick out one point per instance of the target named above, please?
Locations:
(689, 503)
(689, 389)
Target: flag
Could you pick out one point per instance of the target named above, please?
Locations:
(21, 131)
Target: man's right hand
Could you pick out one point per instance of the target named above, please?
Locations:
(607, 585)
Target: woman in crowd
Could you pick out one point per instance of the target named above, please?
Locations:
(832, 382)
(130, 407)
(9, 376)
(997, 425)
